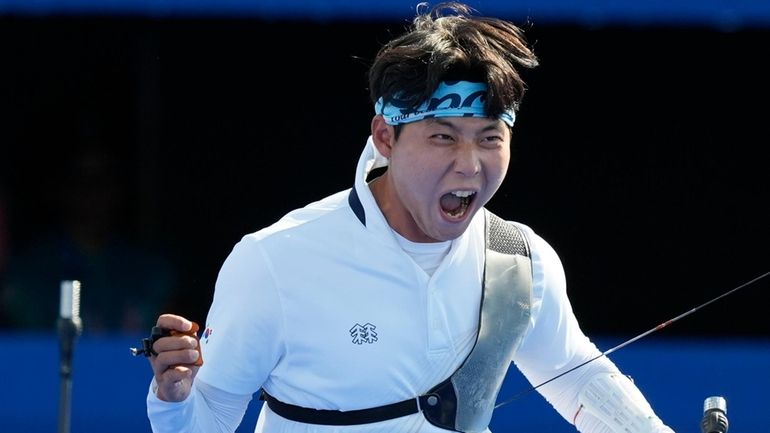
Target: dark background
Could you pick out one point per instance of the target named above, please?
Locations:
(639, 149)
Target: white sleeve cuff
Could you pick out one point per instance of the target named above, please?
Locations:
(171, 417)
(206, 410)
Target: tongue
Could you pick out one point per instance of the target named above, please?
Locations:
(450, 202)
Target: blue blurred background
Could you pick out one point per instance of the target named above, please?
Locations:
(139, 140)
(714, 13)
(109, 385)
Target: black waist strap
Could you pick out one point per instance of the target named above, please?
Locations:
(351, 417)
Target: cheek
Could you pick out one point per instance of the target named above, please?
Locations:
(501, 172)
(414, 166)
(415, 176)
(496, 168)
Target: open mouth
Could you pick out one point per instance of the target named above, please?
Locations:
(456, 203)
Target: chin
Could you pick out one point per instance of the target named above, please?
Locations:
(445, 228)
(451, 233)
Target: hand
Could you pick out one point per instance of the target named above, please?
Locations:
(173, 367)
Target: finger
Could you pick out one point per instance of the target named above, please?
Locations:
(175, 384)
(173, 359)
(175, 342)
(177, 373)
(175, 322)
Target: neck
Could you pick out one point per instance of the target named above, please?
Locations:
(399, 219)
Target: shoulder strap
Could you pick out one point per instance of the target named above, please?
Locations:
(467, 398)
(505, 237)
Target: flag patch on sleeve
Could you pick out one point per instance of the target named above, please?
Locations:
(207, 333)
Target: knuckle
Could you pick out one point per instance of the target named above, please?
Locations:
(192, 342)
(192, 355)
(168, 344)
(173, 321)
(165, 319)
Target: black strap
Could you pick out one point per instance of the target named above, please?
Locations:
(350, 417)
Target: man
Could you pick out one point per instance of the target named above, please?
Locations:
(375, 309)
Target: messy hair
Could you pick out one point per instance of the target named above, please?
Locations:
(449, 42)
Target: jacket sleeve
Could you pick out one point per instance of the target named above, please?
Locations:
(240, 347)
(206, 410)
(554, 344)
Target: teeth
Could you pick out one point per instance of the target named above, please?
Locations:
(462, 193)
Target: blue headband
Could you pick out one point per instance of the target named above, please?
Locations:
(451, 99)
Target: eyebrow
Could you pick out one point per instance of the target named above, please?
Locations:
(493, 125)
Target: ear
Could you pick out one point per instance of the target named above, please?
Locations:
(382, 135)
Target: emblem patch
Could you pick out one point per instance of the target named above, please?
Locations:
(363, 333)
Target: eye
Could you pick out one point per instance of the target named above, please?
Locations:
(442, 138)
(492, 142)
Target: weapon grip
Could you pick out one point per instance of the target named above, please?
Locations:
(157, 333)
(193, 332)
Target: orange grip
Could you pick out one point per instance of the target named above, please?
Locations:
(193, 332)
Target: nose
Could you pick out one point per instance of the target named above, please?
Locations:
(467, 160)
